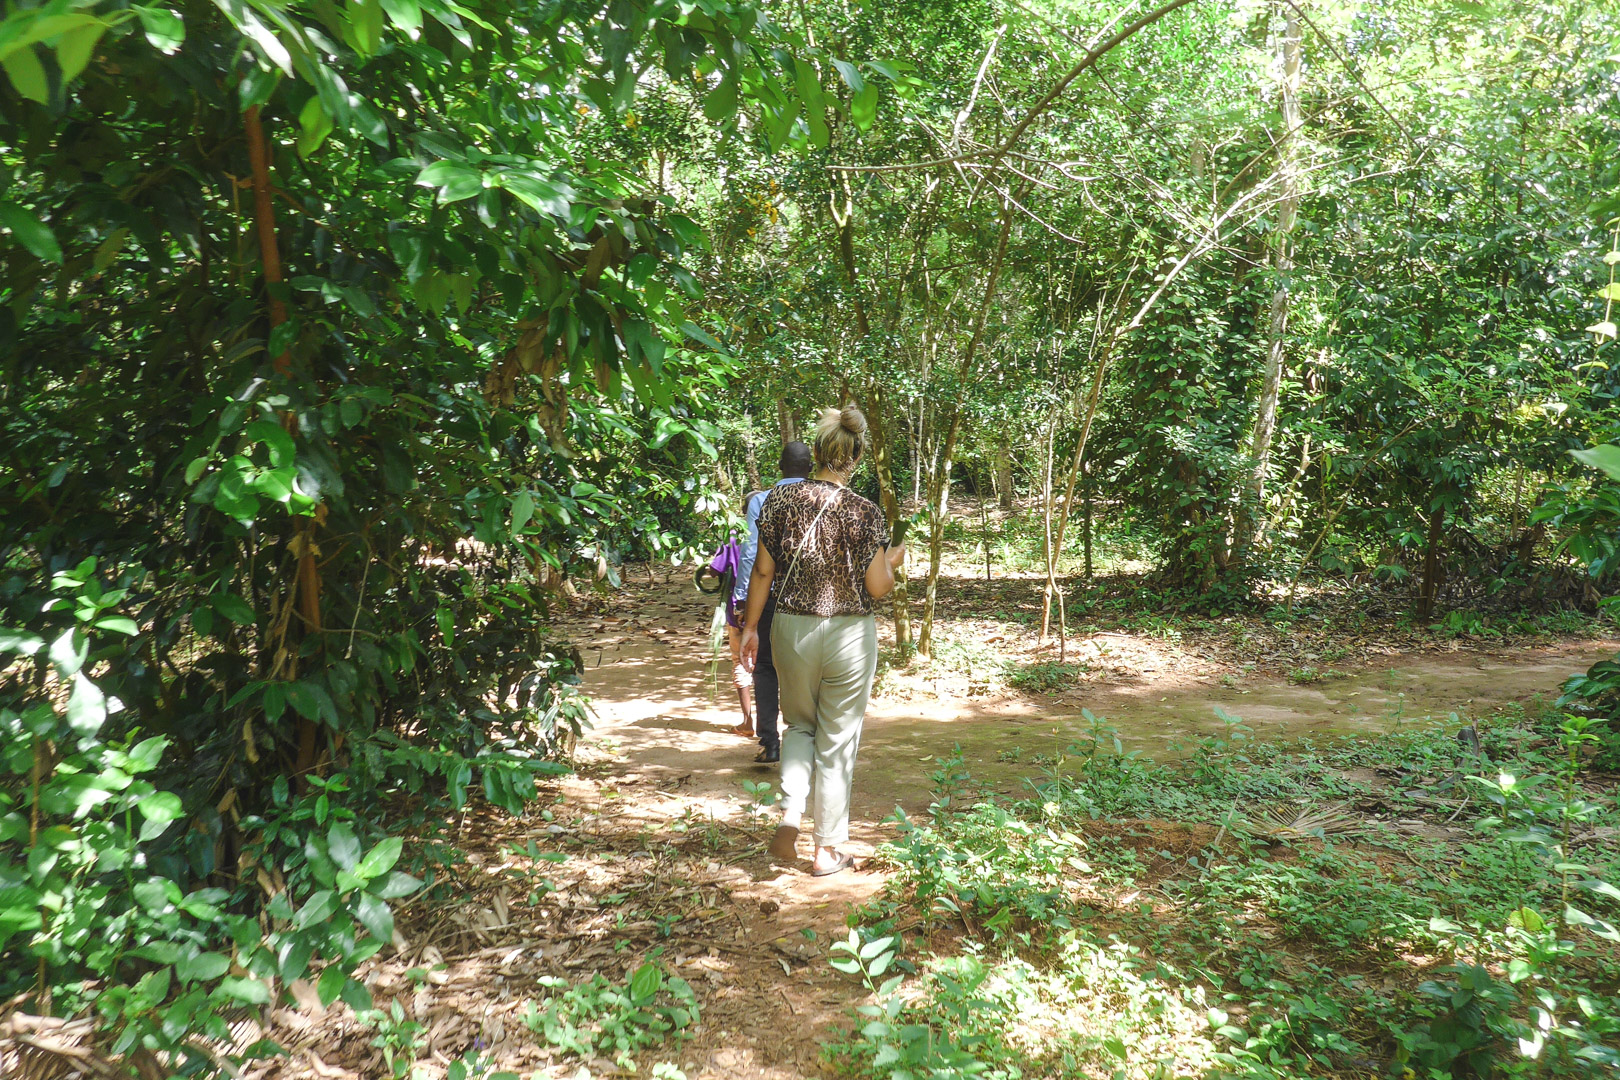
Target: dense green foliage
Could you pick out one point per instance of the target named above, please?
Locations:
(334, 345)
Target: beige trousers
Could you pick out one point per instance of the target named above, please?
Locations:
(825, 668)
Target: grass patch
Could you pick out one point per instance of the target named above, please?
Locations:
(1255, 911)
(1046, 677)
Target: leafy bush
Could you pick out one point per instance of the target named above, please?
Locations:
(99, 867)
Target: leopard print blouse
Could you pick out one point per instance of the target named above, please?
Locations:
(830, 578)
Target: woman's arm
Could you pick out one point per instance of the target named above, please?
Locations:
(759, 590)
(880, 571)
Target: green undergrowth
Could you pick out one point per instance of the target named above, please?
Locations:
(1427, 905)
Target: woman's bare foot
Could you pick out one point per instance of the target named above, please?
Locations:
(746, 730)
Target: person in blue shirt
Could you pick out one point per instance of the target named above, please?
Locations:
(795, 464)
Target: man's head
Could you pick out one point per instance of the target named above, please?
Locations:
(796, 460)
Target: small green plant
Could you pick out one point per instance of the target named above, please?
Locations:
(889, 1046)
(397, 1037)
(1046, 677)
(950, 783)
(762, 796)
(599, 1017)
(1461, 1037)
(473, 1066)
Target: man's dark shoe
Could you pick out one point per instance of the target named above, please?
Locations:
(769, 755)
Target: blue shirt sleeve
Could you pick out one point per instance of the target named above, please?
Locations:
(750, 549)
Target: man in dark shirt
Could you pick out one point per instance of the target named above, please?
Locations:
(795, 465)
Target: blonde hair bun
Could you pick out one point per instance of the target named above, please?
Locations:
(840, 438)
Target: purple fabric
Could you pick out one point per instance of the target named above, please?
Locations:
(728, 560)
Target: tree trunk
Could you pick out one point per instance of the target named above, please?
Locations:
(1251, 513)
(1431, 565)
(1086, 523)
(784, 420)
(1079, 460)
(306, 584)
(1049, 555)
(877, 420)
(917, 452)
(1004, 473)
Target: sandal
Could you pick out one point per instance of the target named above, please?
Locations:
(784, 845)
(745, 730)
(843, 862)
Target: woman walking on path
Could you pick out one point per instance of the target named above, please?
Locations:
(824, 557)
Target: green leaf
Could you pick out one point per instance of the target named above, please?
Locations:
(454, 180)
(851, 74)
(275, 438)
(380, 859)
(815, 108)
(343, 846)
(366, 22)
(258, 83)
(1604, 456)
(263, 38)
(330, 984)
(68, 652)
(405, 14)
(86, 707)
(317, 909)
(522, 511)
(355, 995)
(20, 642)
(721, 102)
(163, 28)
(249, 991)
(645, 983)
(201, 967)
(118, 624)
(313, 126)
(1526, 918)
(161, 807)
(702, 337)
(863, 107)
(395, 885)
(27, 74)
(374, 915)
(875, 947)
(75, 48)
(234, 608)
(30, 231)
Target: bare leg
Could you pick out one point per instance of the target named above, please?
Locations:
(745, 695)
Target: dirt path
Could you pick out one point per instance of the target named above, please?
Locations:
(662, 717)
(661, 751)
(652, 848)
